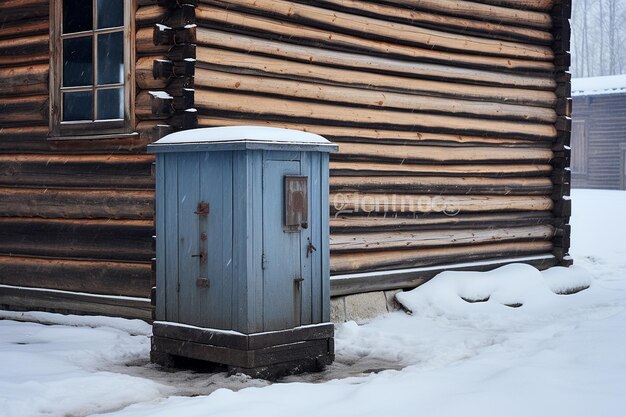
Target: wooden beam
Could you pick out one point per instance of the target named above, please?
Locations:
(378, 241)
(486, 12)
(85, 203)
(385, 30)
(361, 97)
(395, 259)
(362, 168)
(442, 185)
(212, 58)
(96, 277)
(212, 102)
(122, 240)
(297, 33)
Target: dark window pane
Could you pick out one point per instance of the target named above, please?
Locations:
(110, 13)
(77, 65)
(110, 104)
(111, 58)
(77, 15)
(78, 106)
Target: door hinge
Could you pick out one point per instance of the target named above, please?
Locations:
(263, 261)
(178, 287)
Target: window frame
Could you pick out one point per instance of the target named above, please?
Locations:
(99, 128)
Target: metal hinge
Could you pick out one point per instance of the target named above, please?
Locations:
(178, 287)
(263, 261)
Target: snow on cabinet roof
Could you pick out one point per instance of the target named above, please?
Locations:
(611, 84)
(230, 134)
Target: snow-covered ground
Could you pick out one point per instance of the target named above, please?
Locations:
(560, 355)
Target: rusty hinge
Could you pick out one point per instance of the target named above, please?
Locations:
(202, 283)
(203, 209)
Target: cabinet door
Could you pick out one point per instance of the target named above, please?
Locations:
(282, 277)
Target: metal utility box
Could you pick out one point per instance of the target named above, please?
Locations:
(243, 249)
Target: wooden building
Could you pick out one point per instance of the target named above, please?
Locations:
(599, 132)
(451, 117)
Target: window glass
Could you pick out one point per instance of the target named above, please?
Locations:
(111, 58)
(77, 61)
(78, 106)
(110, 13)
(77, 16)
(110, 103)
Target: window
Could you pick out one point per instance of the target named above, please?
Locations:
(90, 68)
(579, 147)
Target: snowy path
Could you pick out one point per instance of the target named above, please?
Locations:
(556, 355)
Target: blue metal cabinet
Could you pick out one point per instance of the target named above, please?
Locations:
(242, 236)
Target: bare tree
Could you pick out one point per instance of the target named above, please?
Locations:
(598, 37)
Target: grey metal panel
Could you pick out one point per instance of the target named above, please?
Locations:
(215, 175)
(317, 222)
(281, 252)
(241, 225)
(255, 254)
(170, 217)
(306, 237)
(324, 248)
(161, 259)
(192, 303)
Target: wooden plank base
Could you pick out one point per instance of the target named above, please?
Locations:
(267, 355)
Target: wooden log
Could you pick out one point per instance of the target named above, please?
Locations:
(81, 204)
(124, 240)
(24, 50)
(443, 185)
(151, 105)
(29, 299)
(389, 31)
(423, 203)
(342, 263)
(22, 29)
(153, 131)
(14, 10)
(95, 277)
(33, 139)
(297, 33)
(24, 111)
(438, 21)
(174, 18)
(541, 5)
(313, 55)
(364, 242)
(211, 102)
(163, 35)
(364, 135)
(145, 75)
(462, 170)
(360, 97)
(348, 223)
(24, 81)
(144, 43)
(212, 58)
(89, 171)
(475, 10)
(447, 155)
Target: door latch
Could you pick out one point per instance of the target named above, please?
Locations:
(310, 248)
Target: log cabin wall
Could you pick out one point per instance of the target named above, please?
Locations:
(598, 130)
(76, 216)
(455, 104)
(463, 103)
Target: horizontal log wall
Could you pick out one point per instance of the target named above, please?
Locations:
(449, 116)
(76, 216)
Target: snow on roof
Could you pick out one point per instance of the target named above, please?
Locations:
(243, 134)
(611, 84)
